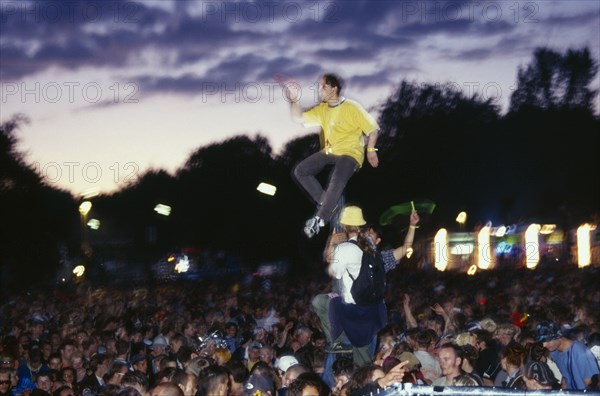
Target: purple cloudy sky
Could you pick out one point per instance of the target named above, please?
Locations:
(113, 88)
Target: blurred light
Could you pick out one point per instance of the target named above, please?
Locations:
(472, 270)
(63, 279)
(183, 265)
(532, 246)
(267, 189)
(484, 249)
(555, 237)
(171, 258)
(162, 209)
(462, 248)
(501, 231)
(85, 207)
(461, 218)
(79, 270)
(94, 224)
(583, 245)
(90, 193)
(547, 229)
(504, 248)
(409, 252)
(441, 249)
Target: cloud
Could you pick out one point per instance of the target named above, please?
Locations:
(187, 83)
(236, 42)
(575, 20)
(348, 54)
(71, 34)
(370, 80)
(476, 54)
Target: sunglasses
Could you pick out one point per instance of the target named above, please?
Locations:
(5, 382)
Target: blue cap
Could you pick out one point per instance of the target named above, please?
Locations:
(547, 331)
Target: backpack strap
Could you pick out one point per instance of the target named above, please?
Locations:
(354, 242)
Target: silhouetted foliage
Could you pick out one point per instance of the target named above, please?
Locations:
(553, 80)
(14, 173)
(296, 150)
(538, 161)
(36, 219)
(434, 143)
(217, 192)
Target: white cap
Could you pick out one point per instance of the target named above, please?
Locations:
(285, 362)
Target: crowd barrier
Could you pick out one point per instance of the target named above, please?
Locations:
(427, 390)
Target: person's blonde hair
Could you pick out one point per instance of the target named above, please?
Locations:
(488, 325)
(464, 380)
(506, 328)
(466, 338)
(222, 354)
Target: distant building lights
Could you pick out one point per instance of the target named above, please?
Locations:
(547, 229)
(162, 209)
(462, 249)
(501, 231)
(85, 207)
(183, 265)
(79, 270)
(94, 224)
(267, 189)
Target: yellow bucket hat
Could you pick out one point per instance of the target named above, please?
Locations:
(352, 216)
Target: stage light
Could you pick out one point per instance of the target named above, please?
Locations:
(484, 254)
(532, 246)
(441, 249)
(583, 246)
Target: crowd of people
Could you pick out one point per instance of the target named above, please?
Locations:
(499, 328)
(342, 331)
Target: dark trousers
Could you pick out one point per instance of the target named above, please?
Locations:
(326, 198)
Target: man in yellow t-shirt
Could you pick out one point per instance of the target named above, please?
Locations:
(344, 125)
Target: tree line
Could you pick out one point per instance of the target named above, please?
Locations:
(538, 161)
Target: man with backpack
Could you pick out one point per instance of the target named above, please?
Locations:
(355, 311)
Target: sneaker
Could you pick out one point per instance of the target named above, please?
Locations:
(313, 225)
(339, 347)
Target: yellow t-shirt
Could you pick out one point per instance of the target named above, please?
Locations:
(342, 127)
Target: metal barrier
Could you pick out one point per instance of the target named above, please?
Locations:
(426, 390)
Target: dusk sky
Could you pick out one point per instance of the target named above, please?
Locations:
(113, 88)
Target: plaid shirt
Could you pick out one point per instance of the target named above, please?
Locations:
(389, 261)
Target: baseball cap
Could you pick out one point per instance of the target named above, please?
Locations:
(259, 383)
(285, 362)
(160, 341)
(547, 331)
(540, 372)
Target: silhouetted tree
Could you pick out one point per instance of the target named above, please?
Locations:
(36, 219)
(555, 80)
(297, 149)
(435, 143)
(220, 206)
(14, 173)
